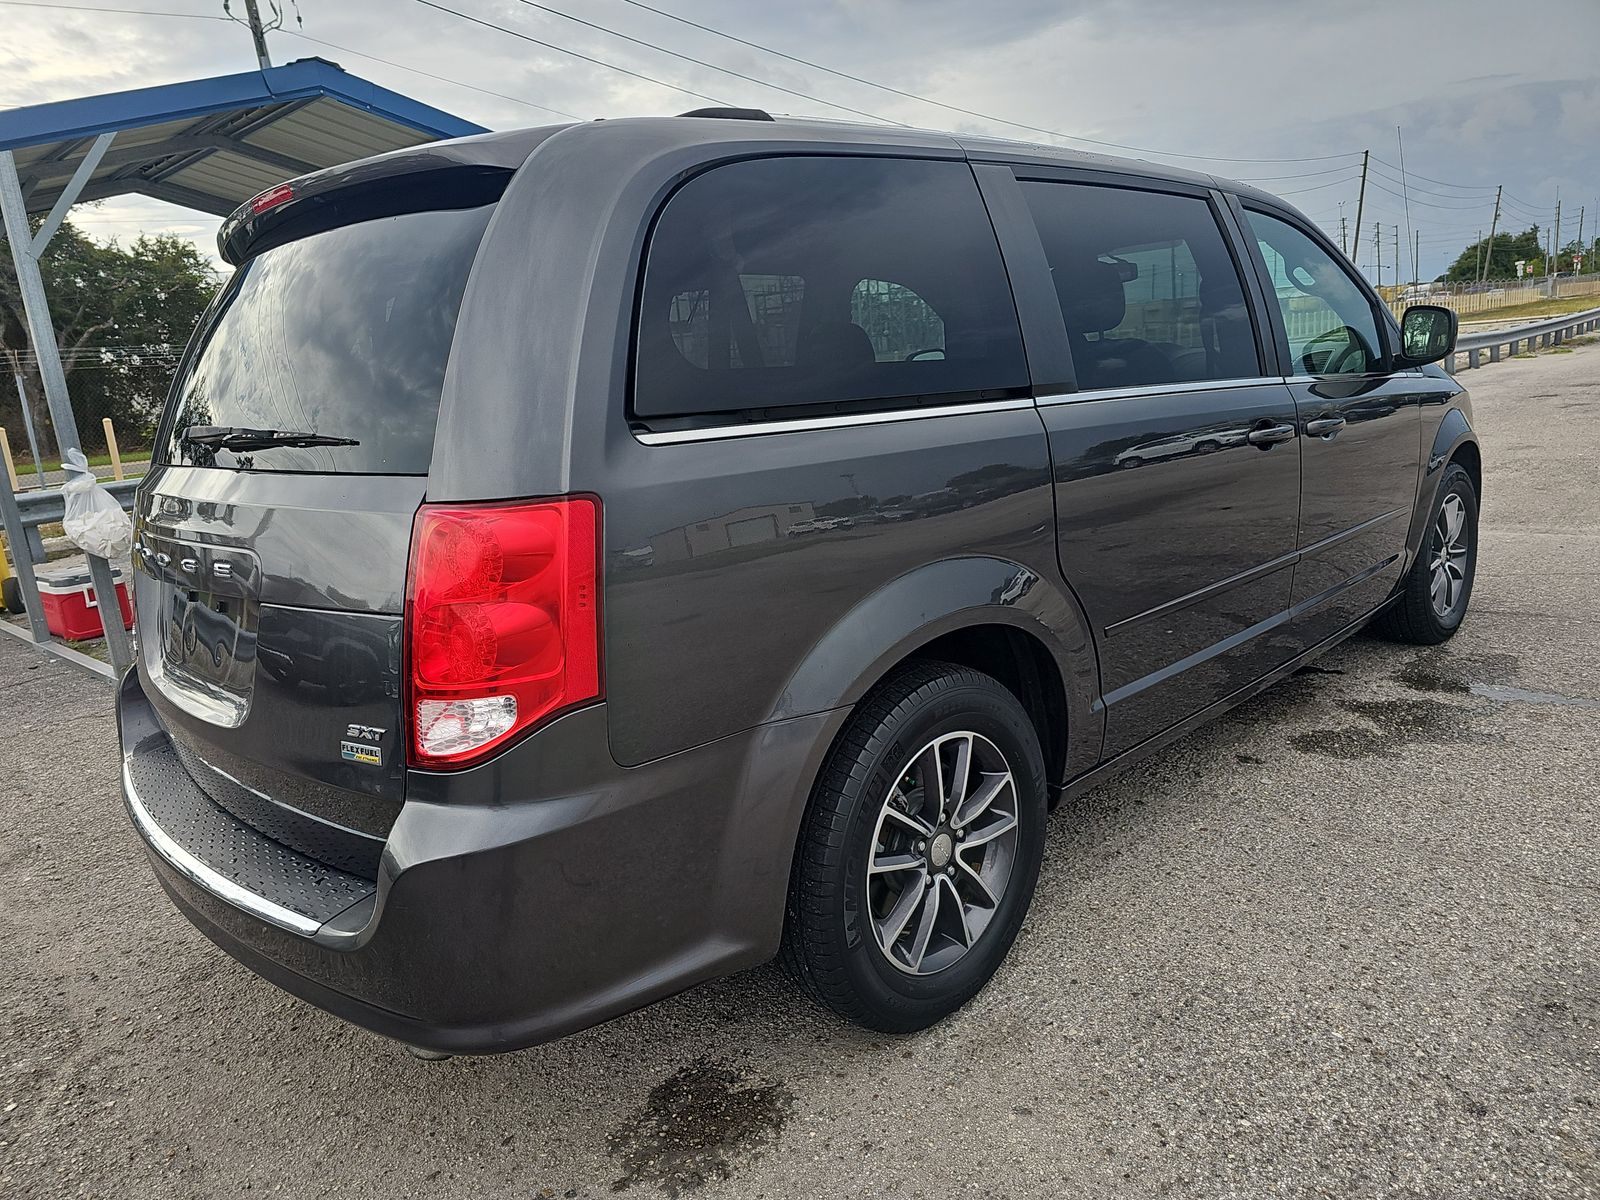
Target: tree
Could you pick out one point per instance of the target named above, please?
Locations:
(121, 316)
(1508, 249)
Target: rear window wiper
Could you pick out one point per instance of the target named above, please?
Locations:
(227, 437)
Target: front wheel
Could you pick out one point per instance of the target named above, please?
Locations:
(920, 850)
(1434, 595)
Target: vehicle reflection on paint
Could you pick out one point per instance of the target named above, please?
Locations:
(1192, 442)
(766, 528)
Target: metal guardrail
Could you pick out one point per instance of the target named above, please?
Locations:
(22, 515)
(1542, 333)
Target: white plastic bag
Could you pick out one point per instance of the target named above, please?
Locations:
(94, 521)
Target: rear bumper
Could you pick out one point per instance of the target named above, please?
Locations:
(537, 894)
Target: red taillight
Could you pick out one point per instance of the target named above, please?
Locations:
(502, 622)
(271, 198)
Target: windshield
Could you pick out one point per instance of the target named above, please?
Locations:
(342, 336)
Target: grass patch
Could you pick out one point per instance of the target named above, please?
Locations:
(1525, 354)
(1560, 350)
(136, 454)
(1538, 308)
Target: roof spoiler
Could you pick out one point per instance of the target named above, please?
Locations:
(730, 114)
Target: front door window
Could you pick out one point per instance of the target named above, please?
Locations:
(1329, 319)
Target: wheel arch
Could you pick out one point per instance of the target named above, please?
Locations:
(992, 614)
(1453, 442)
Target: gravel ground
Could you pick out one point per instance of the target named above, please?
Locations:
(1345, 942)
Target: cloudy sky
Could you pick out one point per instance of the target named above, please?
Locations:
(1279, 91)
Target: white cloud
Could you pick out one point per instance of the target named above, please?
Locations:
(1254, 78)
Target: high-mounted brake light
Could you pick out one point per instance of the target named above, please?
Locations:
(502, 623)
(271, 198)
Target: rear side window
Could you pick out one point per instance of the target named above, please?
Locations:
(813, 282)
(1149, 292)
(342, 334)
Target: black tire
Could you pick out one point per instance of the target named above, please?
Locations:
(1413, 618)
(11, 595)
(829, 943)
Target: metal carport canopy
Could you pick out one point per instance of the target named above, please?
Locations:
(207, 144)
(211, 144)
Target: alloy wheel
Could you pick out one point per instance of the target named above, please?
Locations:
(1450, 552)
(942, 852)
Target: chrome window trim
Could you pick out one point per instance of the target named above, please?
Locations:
(199, 873)
(1160, 389)
(714, 433)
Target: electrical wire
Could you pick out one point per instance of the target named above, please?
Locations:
(560, 112)
(141, 12)
(969, 112)
(100, 8)
(599, 62)
(700, 62)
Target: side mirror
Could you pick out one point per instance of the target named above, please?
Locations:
(1427, 334)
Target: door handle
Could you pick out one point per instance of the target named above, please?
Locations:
(1324, 427)
(1268, 436)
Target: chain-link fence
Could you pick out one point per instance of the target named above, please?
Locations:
(117, 396)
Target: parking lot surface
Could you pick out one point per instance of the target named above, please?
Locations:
(1345, 942)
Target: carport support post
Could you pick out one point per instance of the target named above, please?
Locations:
(105, 597)
(22, 560)
(25, 251)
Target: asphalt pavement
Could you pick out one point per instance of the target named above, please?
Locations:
(1344, 942)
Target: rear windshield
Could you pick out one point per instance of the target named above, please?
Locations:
(343, 334)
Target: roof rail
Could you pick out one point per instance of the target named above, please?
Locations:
(730, 114)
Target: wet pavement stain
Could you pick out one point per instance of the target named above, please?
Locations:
(1511, 695)
(1454, 673)
(697, 1126)
(1395, 724)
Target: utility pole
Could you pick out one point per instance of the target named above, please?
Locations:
(1480, 256)
(1361, 198)
(1581, 210)
(1488, 257)
(1555, 242)
(1344, 240)
(257, 33)
(1377, 250)
(1416, 254)
(1405, 193)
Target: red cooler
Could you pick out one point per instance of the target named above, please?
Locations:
(67, 597)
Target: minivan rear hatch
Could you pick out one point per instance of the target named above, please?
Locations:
(271, 536)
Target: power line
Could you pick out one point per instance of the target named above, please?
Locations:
(1318, 186)
(599, 62)
(700, 62)
(560, 112)
(1301, 175)
(141, 12)
(99, 8)
(969, 112)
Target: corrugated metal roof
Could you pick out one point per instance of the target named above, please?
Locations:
(330, 129)
(211, 144)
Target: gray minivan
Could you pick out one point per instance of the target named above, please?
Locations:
(585, 561)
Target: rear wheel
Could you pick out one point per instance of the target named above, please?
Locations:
(920, 850)
(1434, 596)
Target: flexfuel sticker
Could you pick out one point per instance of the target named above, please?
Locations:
(361, 752)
